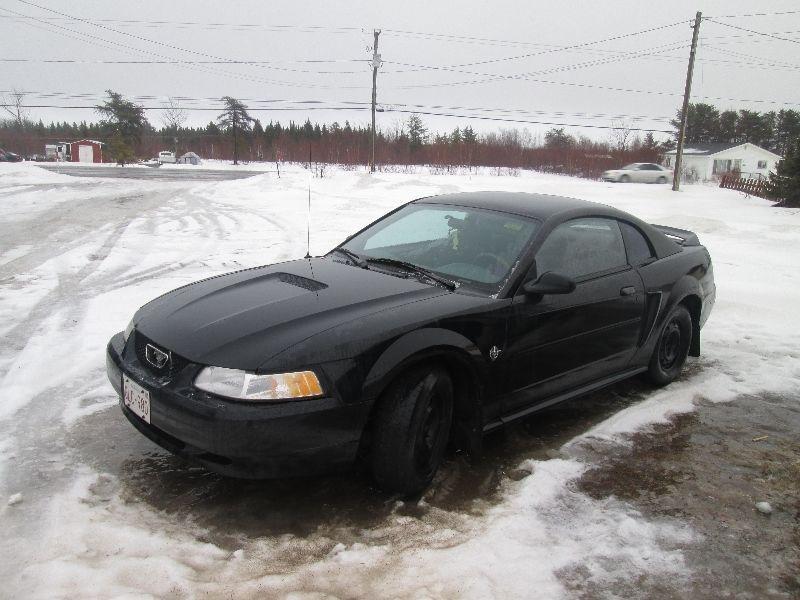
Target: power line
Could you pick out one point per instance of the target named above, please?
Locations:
(127, 49)
(571, 47)
(294, 28)
(769, 35)
(529, 122)
(763, 61)
(763, 14)
(264, 64)
(492, 77)
(183, 99)
(406, 111)
(392, 107)
(629, 54)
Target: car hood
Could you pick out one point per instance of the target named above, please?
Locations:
(240, 320)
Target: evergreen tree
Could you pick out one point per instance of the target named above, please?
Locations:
(726, 129)
(417, 132)
(469, 135)
(558, 138)
(784, 183)
(649, 142)
(455, 137)
(234, 119)
(702, 125)
(124, 123)
(753, 127)
(787, 129)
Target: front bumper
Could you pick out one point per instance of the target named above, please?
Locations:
(239, 439)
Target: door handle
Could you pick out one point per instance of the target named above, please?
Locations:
(628, 290)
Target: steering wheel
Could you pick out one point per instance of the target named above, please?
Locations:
(498, 260)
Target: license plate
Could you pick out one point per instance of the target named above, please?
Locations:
(136, 398)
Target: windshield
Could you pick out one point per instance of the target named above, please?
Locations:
(630, 167)
(468, 245)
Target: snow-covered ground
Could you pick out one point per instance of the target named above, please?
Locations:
(78, 256)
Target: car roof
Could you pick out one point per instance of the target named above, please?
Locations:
(538, 206)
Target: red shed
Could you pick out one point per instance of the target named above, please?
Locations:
(88, 151)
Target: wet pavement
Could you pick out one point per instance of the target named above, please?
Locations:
(230, 508)
(709, 469)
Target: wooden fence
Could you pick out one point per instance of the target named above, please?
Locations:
(754, 187)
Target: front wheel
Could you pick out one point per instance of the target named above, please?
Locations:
(662, 179)
(411, 430)
(624, 179)
(672, 347)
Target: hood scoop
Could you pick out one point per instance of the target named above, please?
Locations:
(301, 282)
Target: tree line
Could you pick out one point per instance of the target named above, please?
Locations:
(706, 124)
(236, 135)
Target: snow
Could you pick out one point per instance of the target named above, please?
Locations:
(60, 302)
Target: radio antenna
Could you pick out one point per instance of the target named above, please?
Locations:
(308, 223)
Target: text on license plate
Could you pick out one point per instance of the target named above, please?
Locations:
(136, 398)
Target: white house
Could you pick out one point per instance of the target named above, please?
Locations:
(706, 162)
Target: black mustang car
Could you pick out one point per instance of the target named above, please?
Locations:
(440, 322)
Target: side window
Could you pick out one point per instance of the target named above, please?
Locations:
(581, 247)
(650, 167)
(639, 250)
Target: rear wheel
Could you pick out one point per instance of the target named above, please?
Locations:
(624, 179)
(412, 427)
(672, 347)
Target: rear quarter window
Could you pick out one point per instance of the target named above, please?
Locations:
(638, 248)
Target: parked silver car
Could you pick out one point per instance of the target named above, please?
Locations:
(639, 172)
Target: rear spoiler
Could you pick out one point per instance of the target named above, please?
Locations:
(682, 237)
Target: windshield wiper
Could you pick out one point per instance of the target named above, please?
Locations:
(393, 262)
(354, 258)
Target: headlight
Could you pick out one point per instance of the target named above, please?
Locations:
(128, 331)
(241, 385)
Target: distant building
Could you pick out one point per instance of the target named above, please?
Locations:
(190, 158)
(706, 162)
(85, 151)
(60, 151)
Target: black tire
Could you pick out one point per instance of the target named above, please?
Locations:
(624, 179)
(662, 179)
(672, 347)
(411, 430)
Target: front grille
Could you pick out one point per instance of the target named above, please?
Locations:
(172, 366)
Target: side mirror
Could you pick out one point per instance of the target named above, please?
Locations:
(550, 283)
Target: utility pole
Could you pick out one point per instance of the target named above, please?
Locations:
(676, 177)
(235, 148)
(376, 62)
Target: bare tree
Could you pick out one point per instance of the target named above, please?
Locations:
(14, 105)
(173, 119)
(621, 134)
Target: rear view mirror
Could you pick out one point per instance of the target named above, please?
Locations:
(550, 283)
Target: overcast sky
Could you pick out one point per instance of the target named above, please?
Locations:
(498, 59)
